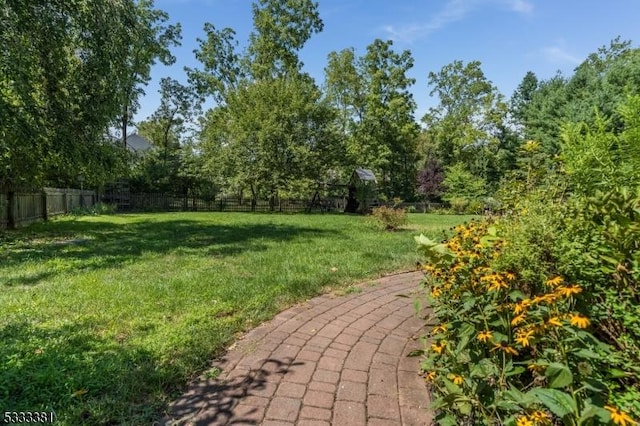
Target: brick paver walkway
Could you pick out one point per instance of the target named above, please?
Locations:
(335, 360)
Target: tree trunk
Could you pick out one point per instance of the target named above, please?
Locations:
(125, 122)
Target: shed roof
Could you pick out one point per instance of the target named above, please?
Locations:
(137, 143)
(365, 175)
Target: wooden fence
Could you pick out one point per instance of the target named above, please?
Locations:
(19, 209)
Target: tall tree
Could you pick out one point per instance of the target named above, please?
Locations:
(222, 66)
(281, 29)
(270, 134)
(376, 112)
(179, 105)
(270, 127)
(467, 123)
(345, 88)
(152, 39)
(61, 81)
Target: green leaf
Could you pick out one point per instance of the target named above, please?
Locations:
(515, 371)
(465, 332)
(586, 354)
(617, 373)
(559, 375)
(591, 411)
(416, 352)
(594, 385)
(558, 402)
(447, 420)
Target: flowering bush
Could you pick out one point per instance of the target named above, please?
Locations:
(504, 352)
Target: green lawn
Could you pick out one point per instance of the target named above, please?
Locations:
(103, 318)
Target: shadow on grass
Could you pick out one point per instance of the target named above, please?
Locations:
(208, 402)
(93, 380)
(75, 373)
(86, 245)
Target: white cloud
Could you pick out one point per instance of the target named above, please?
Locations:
(557, 54)
(520, 6)
(454, 10)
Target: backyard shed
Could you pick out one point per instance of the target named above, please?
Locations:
(362, 191)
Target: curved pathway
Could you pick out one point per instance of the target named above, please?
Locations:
(334, 360)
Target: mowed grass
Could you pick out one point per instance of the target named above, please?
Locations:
(104, 318)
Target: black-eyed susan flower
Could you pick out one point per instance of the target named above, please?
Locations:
(521, 306)
(568, 290)
(540, 417)
(435, 292)
(517, 319)
(484, 336)
(536, 368)
(439, 329)
(555, 321)
(555, 281)
(430, 376)
(496, 284)
(579, 321)
(458, 380)
(523, 337)
(524, 421)
(438, 347)
(619, 417)
(504, 347)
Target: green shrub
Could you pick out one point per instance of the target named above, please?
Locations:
(389, 218)
(96, 209)
(510, 350)
(459, 205)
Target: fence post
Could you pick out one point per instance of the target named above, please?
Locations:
(11, 202)
(45, 213)
(64, 200)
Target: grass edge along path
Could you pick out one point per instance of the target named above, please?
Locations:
(105, 317)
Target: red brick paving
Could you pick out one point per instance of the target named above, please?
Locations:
(330, 361)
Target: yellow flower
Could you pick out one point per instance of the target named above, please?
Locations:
(619, 417)
(484, 336)
(523, 337)
(517, 319)
(428, 268)
(497, 283)
(510, 276)
(547, 298)
(438, 347)
(458, 380)
(521, 306)
(430, 376)
(439, 329)
(568, 291)
(554, 282)
(504, 347)
(536, 368)
(523, 421)
(435, 292)
(554, 321)
(540, 417)
(579, 321)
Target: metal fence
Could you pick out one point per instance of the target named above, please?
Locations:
(166, 202)
(19, 209)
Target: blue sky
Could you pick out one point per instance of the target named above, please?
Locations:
(509, 37)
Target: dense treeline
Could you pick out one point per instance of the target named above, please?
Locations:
(69, 71)
(273, 130)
